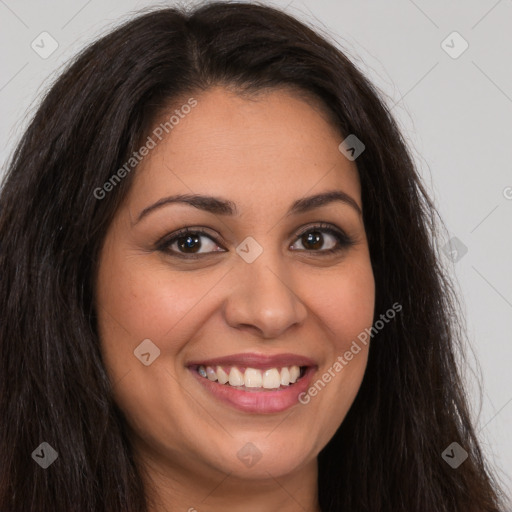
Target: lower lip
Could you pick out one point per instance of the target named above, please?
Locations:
(260, 402)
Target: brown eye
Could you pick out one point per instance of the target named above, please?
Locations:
(188, 243)
(313, 239)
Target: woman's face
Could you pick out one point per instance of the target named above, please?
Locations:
(266, 287)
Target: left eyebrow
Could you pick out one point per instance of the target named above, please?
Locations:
(220, 206)
(318, 200)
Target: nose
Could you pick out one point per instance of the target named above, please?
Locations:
(263, 298)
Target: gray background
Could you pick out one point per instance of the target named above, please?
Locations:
(456, 114)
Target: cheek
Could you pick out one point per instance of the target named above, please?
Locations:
(345, 302)
(351, 321)
(138, 300)
(344, 305)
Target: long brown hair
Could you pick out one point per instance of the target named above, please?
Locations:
(386, 455)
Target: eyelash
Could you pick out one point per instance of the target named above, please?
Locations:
(344, 241)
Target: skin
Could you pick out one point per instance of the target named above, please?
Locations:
(262, 152)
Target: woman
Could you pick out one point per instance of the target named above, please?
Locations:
(219, 286)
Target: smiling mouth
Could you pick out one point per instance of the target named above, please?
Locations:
(252, 379)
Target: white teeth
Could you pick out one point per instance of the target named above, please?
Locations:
(285, 377)
(235, 377)
(253, 378)
(294, 374)
(271, 379)
(222, 376)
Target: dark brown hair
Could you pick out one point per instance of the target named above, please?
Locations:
(386, 455)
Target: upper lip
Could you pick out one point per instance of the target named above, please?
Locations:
(254, 360)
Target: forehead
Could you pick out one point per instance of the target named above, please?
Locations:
(275, 146)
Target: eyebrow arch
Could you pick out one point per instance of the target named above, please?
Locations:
(309, 203)
(219, 206)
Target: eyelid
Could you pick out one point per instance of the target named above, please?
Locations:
(320, 226)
